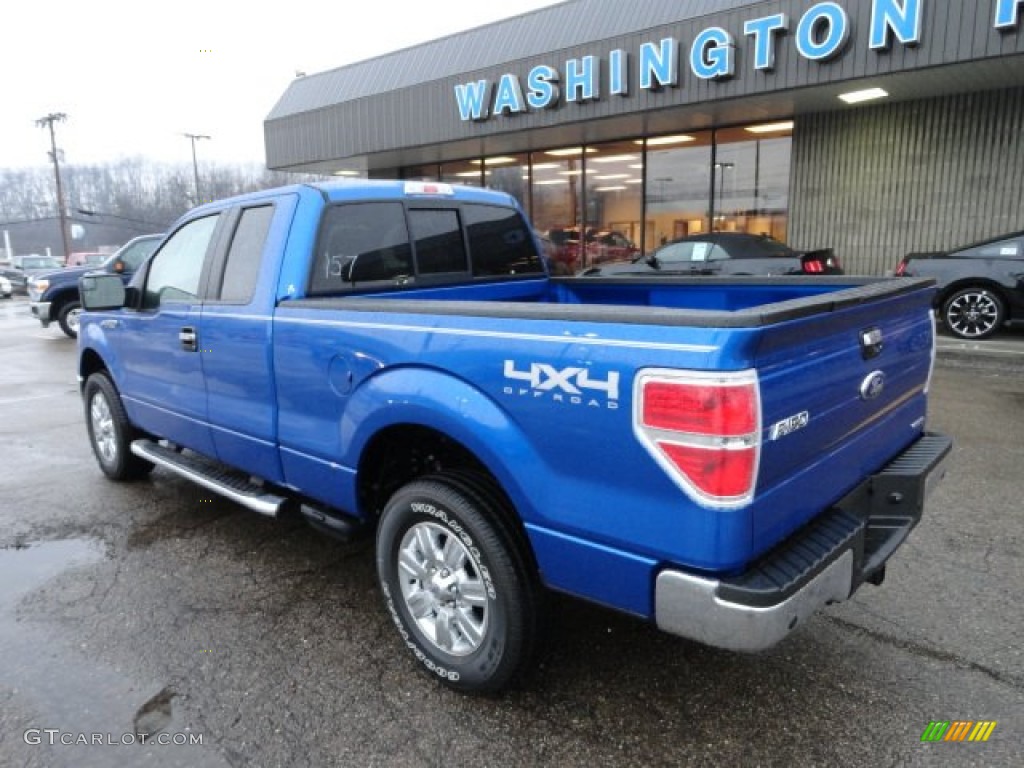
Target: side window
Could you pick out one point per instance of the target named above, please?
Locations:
(138, 253)
(246, 254)
(500, 242)
(175, 272)
(717, 253)
(1001, 249)
(674, 253)
(359, 243)
(438, 238)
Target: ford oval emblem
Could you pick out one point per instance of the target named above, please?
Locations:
(872, 385)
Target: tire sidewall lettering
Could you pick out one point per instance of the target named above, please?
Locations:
(447, 674)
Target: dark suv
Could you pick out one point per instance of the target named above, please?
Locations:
(981, 286)
(54, 295)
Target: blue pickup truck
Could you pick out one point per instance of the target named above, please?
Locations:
(721, 456)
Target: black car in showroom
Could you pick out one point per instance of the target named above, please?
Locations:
(981, 286)
(723, 253)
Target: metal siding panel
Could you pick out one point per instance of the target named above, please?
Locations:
(424, 114)
(884, 181)
(984, 44)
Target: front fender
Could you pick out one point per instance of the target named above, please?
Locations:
(95, 352)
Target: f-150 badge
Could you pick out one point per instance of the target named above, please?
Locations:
(788, 426)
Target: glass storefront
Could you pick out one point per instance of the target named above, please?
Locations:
(751, 175)
(678, 199)
(556, 186)
(614, 201)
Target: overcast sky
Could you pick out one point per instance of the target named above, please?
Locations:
(133, 76)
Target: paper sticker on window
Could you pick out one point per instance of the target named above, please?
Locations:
(700, 252)
(1008, 250)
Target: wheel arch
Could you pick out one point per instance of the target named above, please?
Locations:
(89, 363)
(433, 423)
(60, 298)
(402, 453)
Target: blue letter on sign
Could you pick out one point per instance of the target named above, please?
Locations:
(581, 78)
(618, 72)
(543, 92)
(764, 46)
(888, 16)
(472, 100)
(509, 96)
(658, 64)
(711, 55)
(836, 32)
(1007, 16)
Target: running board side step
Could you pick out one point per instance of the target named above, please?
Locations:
(232, 485)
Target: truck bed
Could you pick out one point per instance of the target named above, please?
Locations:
(441, 346)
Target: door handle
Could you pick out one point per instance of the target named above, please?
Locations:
(187, 337)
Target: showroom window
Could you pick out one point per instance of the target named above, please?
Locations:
(557, 192)
(678, 197)
(751, 179)
(613, 201)
(509, 174)
(469, 173)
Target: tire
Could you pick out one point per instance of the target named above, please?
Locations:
(457, 584)
(110, 432)
(68, 318)
(974, 313)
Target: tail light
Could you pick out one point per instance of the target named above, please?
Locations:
(901, 268)
(704, 430)
(820, 262)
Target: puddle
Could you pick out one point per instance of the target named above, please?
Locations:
(25, 567)
(51, 679)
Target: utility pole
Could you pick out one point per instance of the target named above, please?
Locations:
(195, 166)
(47, 122)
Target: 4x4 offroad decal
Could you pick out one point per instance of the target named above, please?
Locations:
(569, 386)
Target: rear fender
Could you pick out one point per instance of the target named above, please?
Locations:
(431, 398)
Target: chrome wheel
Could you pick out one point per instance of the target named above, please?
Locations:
(442, 588)
(73, 319)
(103, 430)
(974, 313)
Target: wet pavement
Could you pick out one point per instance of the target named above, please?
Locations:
(155, 608)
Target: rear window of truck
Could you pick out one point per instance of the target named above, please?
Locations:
(388, 244)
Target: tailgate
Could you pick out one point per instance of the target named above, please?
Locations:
(842, 392)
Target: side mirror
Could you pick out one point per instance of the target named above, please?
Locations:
(101, 292)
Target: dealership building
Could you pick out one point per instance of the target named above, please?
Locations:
(874, 127)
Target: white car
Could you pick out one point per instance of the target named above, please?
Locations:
(5, 288)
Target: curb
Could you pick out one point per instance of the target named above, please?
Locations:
(1003, 352)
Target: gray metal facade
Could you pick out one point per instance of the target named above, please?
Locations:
(879, 182)
(401, 109)
(939, 163)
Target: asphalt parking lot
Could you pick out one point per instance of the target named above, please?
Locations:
(154, 607)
